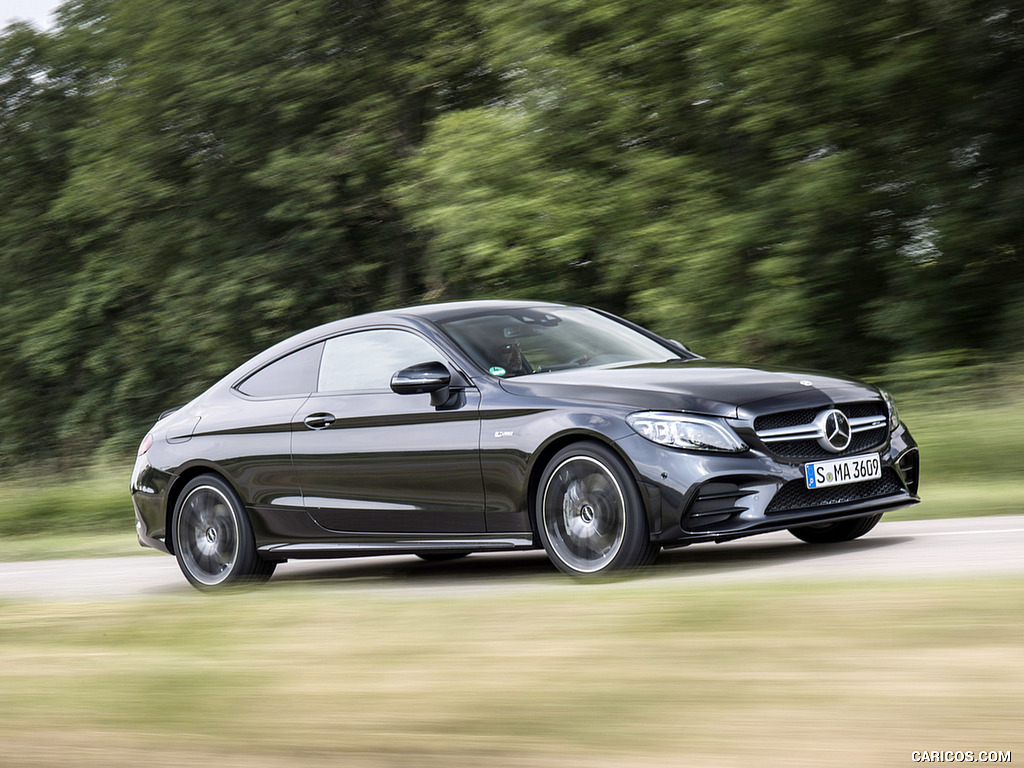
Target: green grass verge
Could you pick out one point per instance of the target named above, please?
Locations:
(971, 457)
(639, 673)
(96, 502)
(60, 546)
(965, 499)
(44, 517)
(969, 442)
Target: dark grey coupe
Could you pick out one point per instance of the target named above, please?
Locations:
(498, 425)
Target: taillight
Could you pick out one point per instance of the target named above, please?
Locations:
(147, 443)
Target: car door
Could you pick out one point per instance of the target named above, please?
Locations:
(369, 460)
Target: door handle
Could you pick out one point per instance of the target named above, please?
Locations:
(319, 420)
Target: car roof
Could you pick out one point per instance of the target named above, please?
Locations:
(445, 311)
(434, 313)
(405, 316)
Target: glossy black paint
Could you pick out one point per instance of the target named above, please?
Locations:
(387, 464)
(454, 466)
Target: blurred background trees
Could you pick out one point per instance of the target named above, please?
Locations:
(830, 183)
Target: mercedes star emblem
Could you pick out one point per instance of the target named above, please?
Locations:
(835, 431)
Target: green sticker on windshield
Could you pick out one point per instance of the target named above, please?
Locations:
(497, 370)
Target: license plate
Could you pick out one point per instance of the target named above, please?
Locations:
(822, 474)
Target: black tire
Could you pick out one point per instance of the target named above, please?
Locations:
(589, 513)
(439, 557)
(832, 533)
(213, 538)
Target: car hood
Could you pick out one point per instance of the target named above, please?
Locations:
(696, 386)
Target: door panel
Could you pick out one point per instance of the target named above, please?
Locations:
(378, 462)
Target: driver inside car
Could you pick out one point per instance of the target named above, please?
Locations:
(509, 356)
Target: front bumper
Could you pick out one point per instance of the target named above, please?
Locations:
(693, 497)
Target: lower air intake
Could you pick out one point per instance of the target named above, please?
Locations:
(795, 494)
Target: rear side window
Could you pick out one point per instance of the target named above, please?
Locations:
(293, 374)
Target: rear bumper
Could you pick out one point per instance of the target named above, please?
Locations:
(149, 494)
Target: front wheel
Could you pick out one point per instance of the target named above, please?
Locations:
(213, 538)
(590, 516)
(833, 533)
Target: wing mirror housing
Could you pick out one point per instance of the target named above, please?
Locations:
(433, 378)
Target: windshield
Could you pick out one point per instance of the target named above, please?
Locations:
(516, 342)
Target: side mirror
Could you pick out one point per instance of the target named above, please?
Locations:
(683, 347)
(419, 379)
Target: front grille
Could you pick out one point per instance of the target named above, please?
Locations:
(867, 408)
(785, 419)
(808, 449)
(795, 495)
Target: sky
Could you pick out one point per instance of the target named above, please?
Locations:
(36, 11)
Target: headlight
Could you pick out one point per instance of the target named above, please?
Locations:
(679, 430)
(894, 415)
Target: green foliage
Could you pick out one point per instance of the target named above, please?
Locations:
(215, 179)
(819, 182)
(930, 374)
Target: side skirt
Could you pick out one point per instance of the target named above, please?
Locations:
(366, 546)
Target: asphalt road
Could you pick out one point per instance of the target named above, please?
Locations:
(963, 547)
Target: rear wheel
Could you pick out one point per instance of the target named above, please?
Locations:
(213, 538)
(832, 533)
(590, 515)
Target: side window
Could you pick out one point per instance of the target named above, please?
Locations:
(293, 374)
(366, 360)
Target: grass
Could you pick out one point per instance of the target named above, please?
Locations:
(971, 452)
(60, 546)
(965, 499)
(969, 442)
(96, 501)
(637, 673)
(87, 515)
